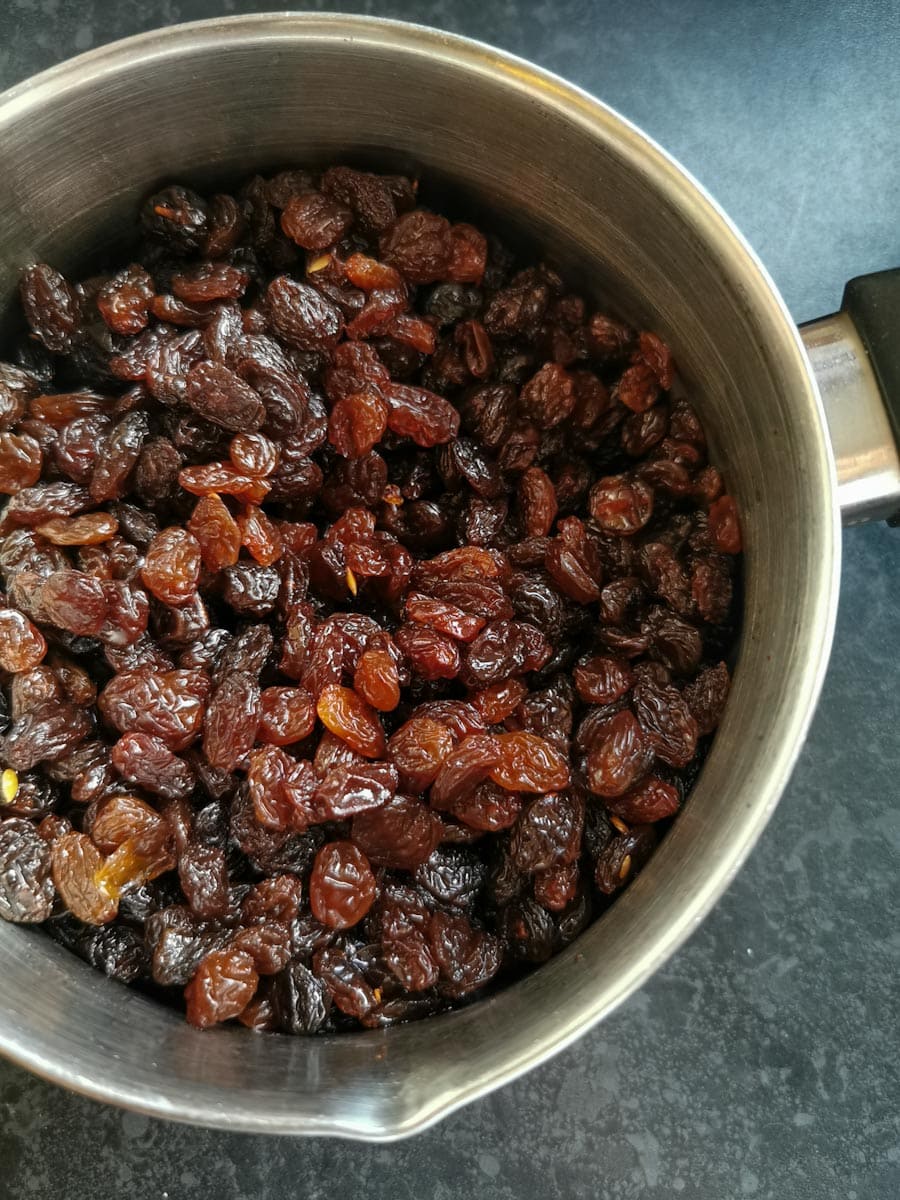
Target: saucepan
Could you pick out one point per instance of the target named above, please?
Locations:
(539, 160)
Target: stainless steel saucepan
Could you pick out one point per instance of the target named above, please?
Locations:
(81, 144)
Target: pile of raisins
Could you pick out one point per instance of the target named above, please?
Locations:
(365, 607)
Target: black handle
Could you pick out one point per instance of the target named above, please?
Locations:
(873, 302)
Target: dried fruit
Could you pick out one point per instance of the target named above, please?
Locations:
(301, 316)
(377, 679)
(216, 533)
(417, 750)
(529, 763)
(621, 505)
(148, 762)
(165, 704)
(51, 307)
(76, 863)
(172, 566)
(464, 769)
(21, 459)
(400, 834)
(341, 563)
(724, 527)
(537, 501)
(26, 887)
(315, 221)
(341, 886)
(229, 727)
(222, 987)
(602, 680)
(21, 645)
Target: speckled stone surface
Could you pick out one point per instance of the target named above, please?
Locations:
(764, 1060)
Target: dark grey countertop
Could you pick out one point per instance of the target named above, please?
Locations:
(762, 1061)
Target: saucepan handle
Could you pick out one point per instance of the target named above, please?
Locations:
(855, 355)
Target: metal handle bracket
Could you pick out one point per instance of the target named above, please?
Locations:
(866, 453)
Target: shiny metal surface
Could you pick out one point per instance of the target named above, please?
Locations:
(866, 456)
(83, 142)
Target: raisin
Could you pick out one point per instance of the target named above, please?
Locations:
(31, 688)
(651, 800)
(118, 456)
(251, 589)
(301, 316)
(341, 886)
(431, 656)
(269, 945)
(706, 696)
(203, 875)
(621, 505)
(417, 749)
(254, 453)
(171, 568)
(315, 221)
(348, 790)
(537, 502)
(210, 281)
(76, 862)
(229, 727)
(601, 680)
(557, 887)
(90, 529)
(216, 532)
(548, 397)
(416, 413)
(621, 858)
(400, 834)
(377, 679)
(724, 527)
(667, 722)
(547, 833)
(44, 501)
(352, 719)
(148, 762)
(370, 196)
(529, 763)
(517, 311)
(21, 459)
(504, 649)
(499, 700)
(468, 765)
(165, 704)
(638, 388)
(27, 891)
(176, 217)
(453, 876)
(44, 733)
(488, 808)
(179, 941)
(281, 790)
(51, 307)
(299, 1000)
(357, 423)
(222, 397)
(22, 646)
(467, 958)
(287, 715)
(223, 986)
